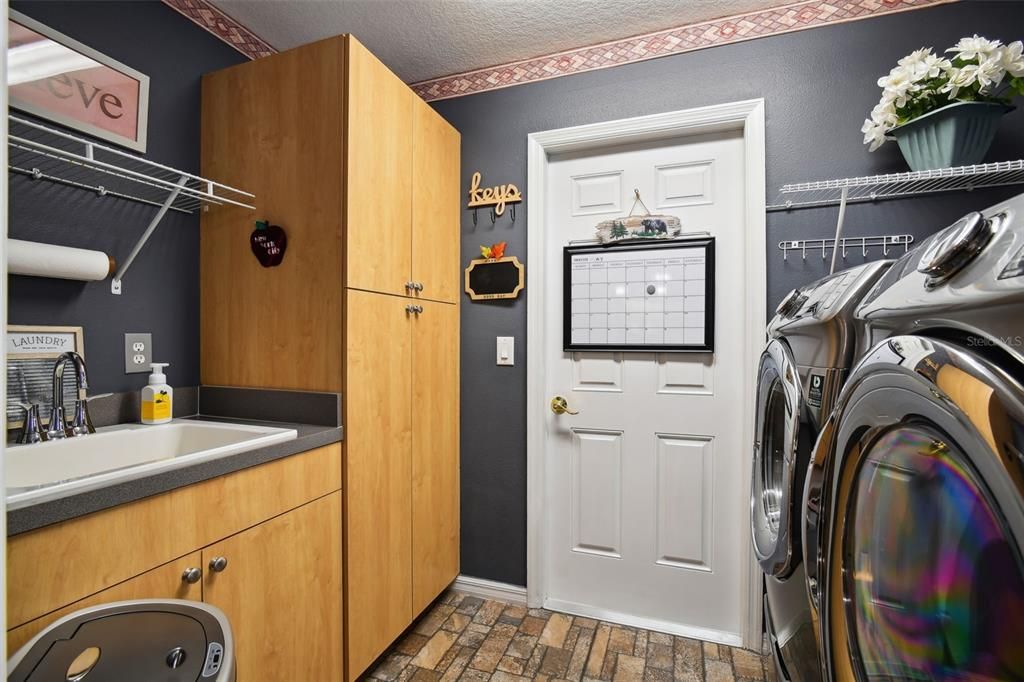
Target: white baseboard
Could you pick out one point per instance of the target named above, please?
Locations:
(490, 589)
(668, 627)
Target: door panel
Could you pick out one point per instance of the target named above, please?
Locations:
(281, 592)
(435, 205)
(685, 490)
(163, 582)
(596, 492)
(378, 176)
(678, 492)
(378, 474)
(435, 460)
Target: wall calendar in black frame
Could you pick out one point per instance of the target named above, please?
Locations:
(640, 297)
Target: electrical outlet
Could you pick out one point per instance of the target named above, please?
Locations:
(138, 353)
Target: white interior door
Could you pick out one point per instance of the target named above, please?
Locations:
(645, 490)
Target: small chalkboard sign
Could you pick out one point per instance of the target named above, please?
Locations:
(494, 278)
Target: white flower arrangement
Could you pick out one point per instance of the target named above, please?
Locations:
(923, 81)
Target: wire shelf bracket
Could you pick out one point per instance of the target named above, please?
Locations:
(41, 152)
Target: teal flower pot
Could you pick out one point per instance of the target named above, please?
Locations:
(954, 135)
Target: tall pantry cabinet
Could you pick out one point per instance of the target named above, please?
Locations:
(364, 178)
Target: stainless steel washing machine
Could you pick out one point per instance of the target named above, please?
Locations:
(914, 518)
(800, 373)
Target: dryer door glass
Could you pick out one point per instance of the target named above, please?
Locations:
(932, 580)
(772, 522)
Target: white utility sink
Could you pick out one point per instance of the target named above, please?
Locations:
(59, 468)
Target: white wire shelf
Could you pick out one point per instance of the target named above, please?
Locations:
(894, 185)
(44, 153)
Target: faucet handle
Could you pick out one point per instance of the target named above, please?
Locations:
(58, 427)
(32, 430)
(81, 423)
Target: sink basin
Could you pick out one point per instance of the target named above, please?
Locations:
(56, 469)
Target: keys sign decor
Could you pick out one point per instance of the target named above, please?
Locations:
(55, 77)
(498, 198)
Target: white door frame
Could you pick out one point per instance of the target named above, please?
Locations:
(747, 117)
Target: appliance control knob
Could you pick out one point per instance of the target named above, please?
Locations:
(953, 248)
(789, 304)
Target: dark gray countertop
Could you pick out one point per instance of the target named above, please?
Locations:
(54, 511)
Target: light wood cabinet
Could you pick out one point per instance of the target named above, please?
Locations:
(378, 176)
(435, 448)
(378, 424)
(274, 128)
(164, 582)
(280, 587)
(371, 205)
(435, 205)
(278, 525)
(402, 466)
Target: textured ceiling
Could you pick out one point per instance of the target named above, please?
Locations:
(423, 39)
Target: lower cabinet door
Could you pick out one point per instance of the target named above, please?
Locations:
(178, 579)
(279, 583)
(378, 475)
(435, 451)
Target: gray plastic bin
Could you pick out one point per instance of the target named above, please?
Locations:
(150, 640)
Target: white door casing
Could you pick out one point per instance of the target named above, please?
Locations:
(636, 513)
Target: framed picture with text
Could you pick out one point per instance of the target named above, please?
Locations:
(57, 78)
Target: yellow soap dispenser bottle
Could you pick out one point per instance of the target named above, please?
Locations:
(157, 397)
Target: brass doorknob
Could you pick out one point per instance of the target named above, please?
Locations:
(560, 405)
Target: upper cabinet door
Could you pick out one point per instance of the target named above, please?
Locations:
(435, 205)
(378, 176)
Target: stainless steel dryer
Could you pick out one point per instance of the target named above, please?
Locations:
(914, 518)
(800, 373)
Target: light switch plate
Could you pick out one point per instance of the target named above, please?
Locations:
(506, 350)
(138, 352)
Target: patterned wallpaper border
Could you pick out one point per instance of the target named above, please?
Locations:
(223, 26)
(774, 21)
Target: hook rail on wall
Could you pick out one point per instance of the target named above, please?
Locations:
(890, 186)
(44, 153)
(846, 244)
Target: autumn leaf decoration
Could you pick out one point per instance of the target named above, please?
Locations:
(493, 251)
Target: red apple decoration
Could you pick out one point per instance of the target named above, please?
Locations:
(268, 243)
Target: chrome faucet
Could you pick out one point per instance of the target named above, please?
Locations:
(81, 424)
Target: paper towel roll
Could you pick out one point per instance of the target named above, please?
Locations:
(61, 262)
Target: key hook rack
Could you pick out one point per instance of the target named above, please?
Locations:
(494, 215)
(888, 243)
(41, 152)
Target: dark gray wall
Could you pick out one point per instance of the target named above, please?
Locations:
(818, 87)
(161, 291)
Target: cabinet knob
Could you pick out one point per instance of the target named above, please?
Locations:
(218, 564)
(192, 575)
(410, 286)
(414, 309)
(419, 286)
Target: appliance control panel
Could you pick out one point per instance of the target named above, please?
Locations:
(828, 295)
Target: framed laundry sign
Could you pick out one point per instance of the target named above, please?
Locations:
(58, 78)
(31, 352)
(640, 297)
